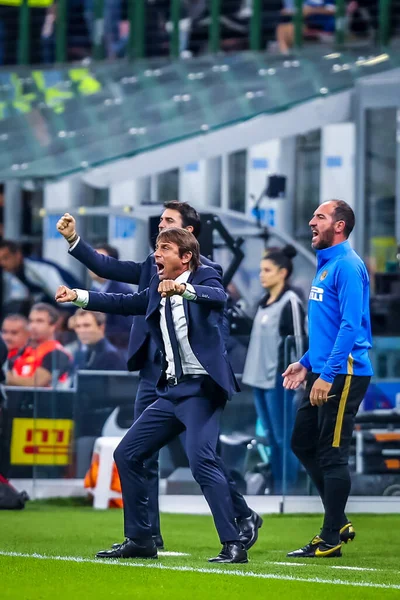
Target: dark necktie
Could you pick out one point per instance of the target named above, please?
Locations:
(173, 339)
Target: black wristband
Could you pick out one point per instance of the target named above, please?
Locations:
(73, 238)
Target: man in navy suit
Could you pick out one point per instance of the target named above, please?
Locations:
(142, 352)
(184, 309)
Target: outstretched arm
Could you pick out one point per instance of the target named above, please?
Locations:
(104, 266)
(118, 304)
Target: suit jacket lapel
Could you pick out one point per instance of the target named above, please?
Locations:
(154, 301)
(186, 302)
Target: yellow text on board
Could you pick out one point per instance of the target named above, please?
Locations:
(41, 441)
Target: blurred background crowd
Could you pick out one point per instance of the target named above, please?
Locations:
(82, 31)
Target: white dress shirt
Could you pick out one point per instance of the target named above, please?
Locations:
(190, 364)
(74, 245)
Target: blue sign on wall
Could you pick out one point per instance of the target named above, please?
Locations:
(259, 163)
(50, 227)
(334, 161)
(192, 167)
(124, 227)
(267, 216)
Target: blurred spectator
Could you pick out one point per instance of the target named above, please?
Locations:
(9, 19)
(280, 314)
(191, 12)
(117, 326)
(116, 27)
(15, 332)
(95, 352)
(39, 277)
(359, 22)
(318, 15)
(79, 30)
(44, 362)
(233, 20)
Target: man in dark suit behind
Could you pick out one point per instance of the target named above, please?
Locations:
(95, 353)
(184, 308)
(142, 352)
(117, 326)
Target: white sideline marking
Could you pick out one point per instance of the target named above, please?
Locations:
(167, 553)
(310, 564)
(238, 573)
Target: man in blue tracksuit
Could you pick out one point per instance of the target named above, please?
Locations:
(338, 371)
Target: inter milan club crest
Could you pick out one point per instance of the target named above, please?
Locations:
(323, 275)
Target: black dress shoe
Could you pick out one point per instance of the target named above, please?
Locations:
(249, 529)
(130, 549)
(159, 542)
(232, 552)
(157, 539)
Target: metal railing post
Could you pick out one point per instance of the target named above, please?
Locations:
(215, 31)
(61, 31)
(298, 22)
(256, 26)
(23, 33)
(340, 22)
(384, 22)
(137, 20)
(98, 30)
(175, 33)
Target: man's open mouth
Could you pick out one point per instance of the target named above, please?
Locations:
(160, 268)
(314, 233)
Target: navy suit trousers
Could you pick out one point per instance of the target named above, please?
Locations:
(184, 407)
(145, 396)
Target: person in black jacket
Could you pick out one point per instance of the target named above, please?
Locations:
(96, 353)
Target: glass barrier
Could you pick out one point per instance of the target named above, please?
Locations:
(50, 433)
(54, 122)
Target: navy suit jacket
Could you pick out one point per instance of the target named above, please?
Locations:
(140, 274)
(204, 318)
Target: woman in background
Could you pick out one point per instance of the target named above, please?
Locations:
(280, 314)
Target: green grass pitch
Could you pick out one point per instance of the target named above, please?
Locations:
(47, 553)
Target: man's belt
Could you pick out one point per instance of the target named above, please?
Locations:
(172, 381)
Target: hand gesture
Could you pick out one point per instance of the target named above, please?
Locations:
(66, 226)
(319, 392)
(64, 294)
(169, 287)
(294, 376)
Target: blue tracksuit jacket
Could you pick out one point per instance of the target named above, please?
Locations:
(338, 315)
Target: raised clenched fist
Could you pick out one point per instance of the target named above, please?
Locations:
(170, 287)
(64, 294)
(66, 226)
